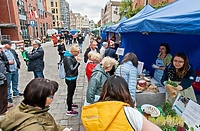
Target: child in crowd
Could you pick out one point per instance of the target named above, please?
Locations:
(24, 54)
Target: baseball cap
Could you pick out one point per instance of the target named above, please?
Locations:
(6, 41)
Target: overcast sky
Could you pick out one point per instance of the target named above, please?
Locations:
(91, 8)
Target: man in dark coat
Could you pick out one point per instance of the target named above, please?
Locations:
(93, 47)
(80, 40)
(36, 59)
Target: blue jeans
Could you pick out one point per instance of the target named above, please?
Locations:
(80, 45)
(38, 74)
(12, 77)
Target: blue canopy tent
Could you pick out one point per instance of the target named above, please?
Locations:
(114, 28)
(177, 24)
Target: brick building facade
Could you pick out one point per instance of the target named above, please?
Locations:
(15, 19)
(9, 20)
(138, 3)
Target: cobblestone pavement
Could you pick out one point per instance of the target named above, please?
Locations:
(58, 107)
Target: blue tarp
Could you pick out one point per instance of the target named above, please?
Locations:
(181, 16)
(114, 28)
(177, 24)
(146, 47)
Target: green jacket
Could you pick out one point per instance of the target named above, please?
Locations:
(97, 80)
(26, 118)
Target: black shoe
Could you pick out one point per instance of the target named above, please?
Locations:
(10, 100)
(20, 94)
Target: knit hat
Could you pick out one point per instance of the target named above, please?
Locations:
(104, 44)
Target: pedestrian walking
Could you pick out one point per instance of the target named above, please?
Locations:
(54, 39)
(71, 63)
(80, 40)
(70, 38)
(61, 49)
(36, 59)
(66, 34)
(14, 65)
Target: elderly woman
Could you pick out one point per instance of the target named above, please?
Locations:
(98, 78)
(164, 59)
(181, 72)
(115, 110)
(32, 113)
(95, 59)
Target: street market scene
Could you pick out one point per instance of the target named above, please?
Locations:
(109, 65)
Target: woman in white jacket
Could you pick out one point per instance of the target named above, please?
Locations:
(128, 70)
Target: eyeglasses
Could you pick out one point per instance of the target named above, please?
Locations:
(178, 61)
(51, 96)
(162, 48)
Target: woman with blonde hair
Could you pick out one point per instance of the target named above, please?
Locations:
(71, 63)
(98, 77)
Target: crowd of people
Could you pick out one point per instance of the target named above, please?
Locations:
(111, 85)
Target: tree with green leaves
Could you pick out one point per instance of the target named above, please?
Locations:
(126, 8)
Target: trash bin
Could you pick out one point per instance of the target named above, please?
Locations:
(27, 42)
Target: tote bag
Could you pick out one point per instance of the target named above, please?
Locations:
(61, 70)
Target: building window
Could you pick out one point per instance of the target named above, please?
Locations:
(54, 23)
(56, 17)
(51, 4)
(53, 11)
(57, 11)
(56, 4)
(53, 17)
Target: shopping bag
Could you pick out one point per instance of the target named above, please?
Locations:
(61, 70)
(171, 90)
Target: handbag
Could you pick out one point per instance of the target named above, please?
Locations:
(61, 70)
